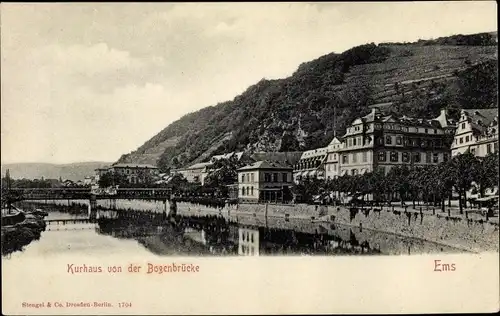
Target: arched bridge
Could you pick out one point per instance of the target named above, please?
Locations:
(86, 193)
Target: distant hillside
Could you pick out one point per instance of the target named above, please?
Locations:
(324, 95)
(73, 171)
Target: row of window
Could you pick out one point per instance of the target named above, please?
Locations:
(246, 236)
(407, 129)
(332, 157)
(465, 139)
(307, 165)
(490, 148)
(331, 167)
(397, 127)
(247, 191)
(394, 156)
(268, 177)
(354, 157)
(428, 157)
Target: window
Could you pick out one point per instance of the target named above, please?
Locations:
(466, 139)
(251, 175)
(251, 191)
(380, 141)
(488, 149)
(405, 129)
(406, 157)
(243, 191)
(394, 156)
(435, 158)
(399, 140)
(461, 140)
(243, 178)
(354, 157)
(428, 157)
(354, 172)
(495, 147)
(334, 167)
(275, 177)
(388, 140)
(426, 131)
(267, 177)
(456, 141)
(416, 157)
(328, 168)
(463, 125)
(350, 142)
(365, 156)
(345, 159)
(354, 141)
(285, 177)
(381, 156)
(435, 131)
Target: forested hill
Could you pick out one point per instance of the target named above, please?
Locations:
(302, 111)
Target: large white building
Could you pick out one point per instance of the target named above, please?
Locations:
(477, 132)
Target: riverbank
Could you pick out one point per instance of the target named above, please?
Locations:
(15, 237)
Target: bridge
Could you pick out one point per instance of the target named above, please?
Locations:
(87, 194)
(69, 221)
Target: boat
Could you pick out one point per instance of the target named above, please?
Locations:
(12, 216)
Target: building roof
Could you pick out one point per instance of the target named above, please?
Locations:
(265, 165)
(375, 115)
(483, 117)
(200, 165)
(314, 153)
(290, 157)
(236, 155)
(133, 165)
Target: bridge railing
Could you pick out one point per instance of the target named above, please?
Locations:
(85, 193)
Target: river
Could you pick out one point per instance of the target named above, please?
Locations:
(212, 235)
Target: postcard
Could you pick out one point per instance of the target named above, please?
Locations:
(249, 158)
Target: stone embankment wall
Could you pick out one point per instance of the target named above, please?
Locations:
(474, 235)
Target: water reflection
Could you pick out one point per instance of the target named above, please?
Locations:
(215, 235)
(189, 235)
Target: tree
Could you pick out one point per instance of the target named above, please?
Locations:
(487, 172)
(462, 169)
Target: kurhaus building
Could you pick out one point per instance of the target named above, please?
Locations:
(380, 142)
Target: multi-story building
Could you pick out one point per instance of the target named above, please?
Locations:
(380, 142)
(477, 132)
(264, 181)
(332, 164)
(195, 173)
(311, 165)
(199, 171)
(135, 173)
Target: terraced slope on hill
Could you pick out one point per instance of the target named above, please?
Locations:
(324, 95)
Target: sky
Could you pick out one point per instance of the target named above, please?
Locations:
(93, 81)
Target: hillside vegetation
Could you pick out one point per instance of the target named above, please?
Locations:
(324, 95)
